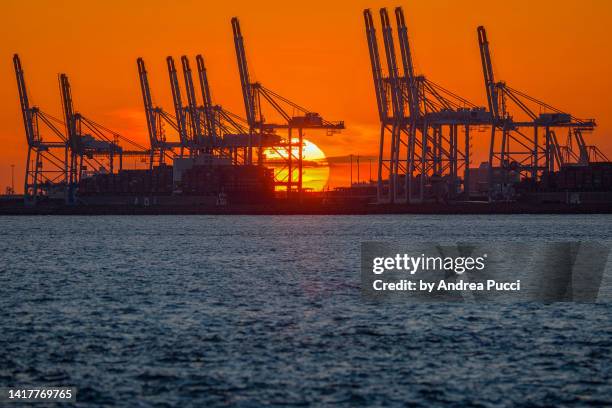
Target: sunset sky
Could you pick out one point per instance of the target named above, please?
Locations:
(314, 53)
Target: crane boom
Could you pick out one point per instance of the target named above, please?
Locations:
(25, 103)
(178, 104)
(407, 63)
(206, 96)
(487, 69)
(148, 103)
(245, 80)
(377, 75)
(244, 72)
(73, 139)
(69, 116)
(396, 90)
(192, 103)
(203, 76)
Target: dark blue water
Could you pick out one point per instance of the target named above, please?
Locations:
(254, 311)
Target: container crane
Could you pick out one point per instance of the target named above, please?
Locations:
(93, 147)
(255, 96)
(521, 152)
(397, 103)
(381, 91)
(420, 108)
(47, 157)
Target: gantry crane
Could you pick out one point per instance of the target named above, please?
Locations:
(93, 148)
(423, 119)
(81, 146)
(47, 157)
(521, 151)
(255, 96)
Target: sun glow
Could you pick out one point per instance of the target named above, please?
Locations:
(315, 166)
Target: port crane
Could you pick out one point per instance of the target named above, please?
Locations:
(93, 148)
(517, 147)
(80, 146)
(423, 120)
(258, 98)
(47, 157)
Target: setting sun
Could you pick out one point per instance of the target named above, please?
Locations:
(316, 168)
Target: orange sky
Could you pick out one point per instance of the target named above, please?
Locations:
(313, 52)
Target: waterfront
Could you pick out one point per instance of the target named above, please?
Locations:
(257, 310)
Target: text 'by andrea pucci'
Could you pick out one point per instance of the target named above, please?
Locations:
(411, 265)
